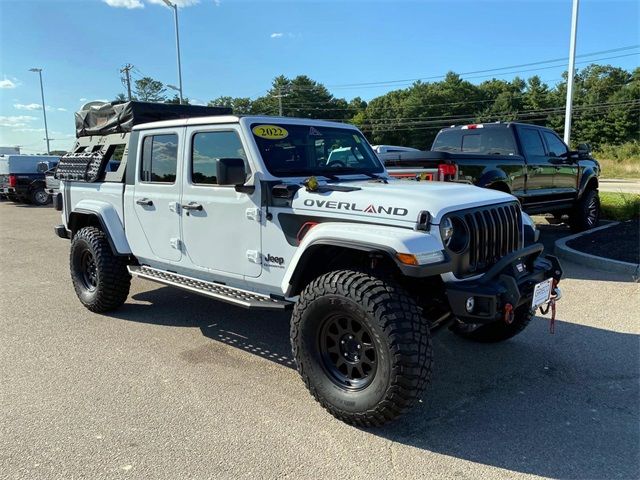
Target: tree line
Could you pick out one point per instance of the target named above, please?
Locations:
(606, 105)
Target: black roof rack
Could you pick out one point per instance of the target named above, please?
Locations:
(107, 118)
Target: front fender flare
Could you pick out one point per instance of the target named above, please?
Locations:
(588, 175)
(109, 220)
(370, 238)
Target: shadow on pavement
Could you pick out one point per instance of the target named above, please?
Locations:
(561, 406)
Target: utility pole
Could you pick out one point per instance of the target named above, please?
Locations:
(44, 108)
(279, 97)
(127, 77)
(175, 17)
(571, 72)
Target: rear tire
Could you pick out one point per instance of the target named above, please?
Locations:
(586, 212)
(39, 197)
(495, 331)
(361, 346)
(100, 278)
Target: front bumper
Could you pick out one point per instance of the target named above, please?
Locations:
(510, 281)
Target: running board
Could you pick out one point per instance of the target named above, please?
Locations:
(237, 296)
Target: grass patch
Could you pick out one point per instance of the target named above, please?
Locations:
(619, 161)
(619, 206)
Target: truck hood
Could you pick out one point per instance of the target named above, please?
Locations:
(395, 201)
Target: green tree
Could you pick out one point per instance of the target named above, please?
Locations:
(175, 100)
(149, 90)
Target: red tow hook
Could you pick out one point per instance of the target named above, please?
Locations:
(552, 306)
(508, 314)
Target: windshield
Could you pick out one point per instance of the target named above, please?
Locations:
(303, 150)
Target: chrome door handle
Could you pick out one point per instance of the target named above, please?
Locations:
(145, 202)
(192, 206)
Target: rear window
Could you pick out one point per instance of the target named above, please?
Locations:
(482, 141)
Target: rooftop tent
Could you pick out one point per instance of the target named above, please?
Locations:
(97, 118)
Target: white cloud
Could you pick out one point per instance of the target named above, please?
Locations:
(60, 109)
(28, 106)
(83, 99)
(28, 129)
(130, 4)
(217, 2)
(283, 34)
(6, 83)
(16, 120)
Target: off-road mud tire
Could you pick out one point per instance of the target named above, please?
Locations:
(495, 332)
(399, 333)
(109, 283)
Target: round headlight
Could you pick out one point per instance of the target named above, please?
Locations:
(446, 231)
(455, 234)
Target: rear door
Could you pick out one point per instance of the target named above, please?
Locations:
(155, 232)
(565, 179)
(540, 172)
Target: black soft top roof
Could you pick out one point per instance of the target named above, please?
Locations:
(116, 117)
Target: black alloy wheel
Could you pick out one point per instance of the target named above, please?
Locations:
(348, 352)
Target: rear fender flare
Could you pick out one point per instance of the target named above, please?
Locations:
(493, 178)
(109, 220)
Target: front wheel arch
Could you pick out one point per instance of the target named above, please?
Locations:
(321, 258)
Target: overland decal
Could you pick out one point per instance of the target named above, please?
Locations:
(371, 208)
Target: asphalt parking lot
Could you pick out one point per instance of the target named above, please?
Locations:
(174, 385)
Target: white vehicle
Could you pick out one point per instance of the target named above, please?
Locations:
(253, 211)
(392, 149)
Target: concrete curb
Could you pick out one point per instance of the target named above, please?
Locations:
(593, 261)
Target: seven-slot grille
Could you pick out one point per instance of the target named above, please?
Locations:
(493, 233)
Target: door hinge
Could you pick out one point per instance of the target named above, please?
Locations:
(175, 243)
(253, 214)
(254, 256)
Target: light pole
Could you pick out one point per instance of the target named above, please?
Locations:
(175, 16)
(44, 111)
(571, 73)
(173, 87)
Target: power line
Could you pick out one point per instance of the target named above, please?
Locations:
(442, 124)
(489, 70)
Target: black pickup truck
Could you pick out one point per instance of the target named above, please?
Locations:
(22, 177)
(529, 161)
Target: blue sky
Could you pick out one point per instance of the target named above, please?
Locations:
(236, 47)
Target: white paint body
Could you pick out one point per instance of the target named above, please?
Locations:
(231, 239)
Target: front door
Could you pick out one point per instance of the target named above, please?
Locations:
(156, 193)
(565, 179)
(539, 171)
(220, 227)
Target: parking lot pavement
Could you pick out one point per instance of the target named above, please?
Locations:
(178, 386)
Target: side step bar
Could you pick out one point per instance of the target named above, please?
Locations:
(227, 294)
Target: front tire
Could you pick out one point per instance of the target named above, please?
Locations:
(100, 278)
(361, 347)
(586, 212)
(495, 332)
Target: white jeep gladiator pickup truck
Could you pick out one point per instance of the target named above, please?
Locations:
(256, 211)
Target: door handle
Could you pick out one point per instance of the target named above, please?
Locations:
(144, 202)
(192, 206)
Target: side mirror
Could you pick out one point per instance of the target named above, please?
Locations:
(584, 148)
(231, 171)
(42, 167)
